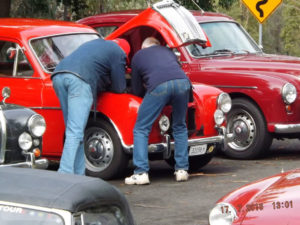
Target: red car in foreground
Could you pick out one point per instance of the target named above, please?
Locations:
(272, 200)
(29, 51)
(264, 88)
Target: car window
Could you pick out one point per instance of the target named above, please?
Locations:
(104, 215)
(105, 31)
(51, 50)
(11, 215)
(13, 62)
(225, 37)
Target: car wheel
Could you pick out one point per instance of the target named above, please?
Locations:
(104, 155)
(195, 162)
(251, 137)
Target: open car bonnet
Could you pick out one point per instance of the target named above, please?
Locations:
(175, 23)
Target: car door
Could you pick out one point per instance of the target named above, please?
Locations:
(28, 88)
(17, 73)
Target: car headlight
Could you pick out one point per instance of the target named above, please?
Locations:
(164, 123)
(289, 93)
(224, 102)
(25, 141)
(37, 125)
(222, 214)
(219, 117)
(103, 215)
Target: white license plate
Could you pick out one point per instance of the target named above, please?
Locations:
(197, 150)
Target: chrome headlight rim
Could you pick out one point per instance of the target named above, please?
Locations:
(25, 141)
(37, 125)
(289, 93)
(222, 214)
(224, 102)
(219, 117)
(164, 123)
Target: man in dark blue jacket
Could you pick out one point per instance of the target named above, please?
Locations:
(95, 66)
(156, 67)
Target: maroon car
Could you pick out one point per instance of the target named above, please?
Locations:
(273, 200)
(264, 88)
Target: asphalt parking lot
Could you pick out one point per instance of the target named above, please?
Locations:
(166, 201)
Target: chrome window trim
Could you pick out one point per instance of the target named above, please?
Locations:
(3, 136)
(237, 87)
(47, 108)
(21, 77)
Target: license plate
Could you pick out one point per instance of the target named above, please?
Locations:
(197, 150)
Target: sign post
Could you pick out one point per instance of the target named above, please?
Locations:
(262, 9)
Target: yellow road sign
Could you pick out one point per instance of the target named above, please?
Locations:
(262, 9)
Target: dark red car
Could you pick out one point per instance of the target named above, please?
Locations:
(264, 88)
(271, 200)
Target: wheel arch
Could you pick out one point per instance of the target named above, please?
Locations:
(235, 95)
(101, 116)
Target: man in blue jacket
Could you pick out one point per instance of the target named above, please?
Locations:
(156, 67)
(95, 66)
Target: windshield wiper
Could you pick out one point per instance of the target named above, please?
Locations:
(242, 52)
(222, 51)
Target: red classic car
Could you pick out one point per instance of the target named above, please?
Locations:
(39, 45)
(272, 200)
(264, 88)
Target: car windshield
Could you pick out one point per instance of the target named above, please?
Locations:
(225, 38)
(11, 215)
(51, 50)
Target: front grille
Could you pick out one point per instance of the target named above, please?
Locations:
(190, 122)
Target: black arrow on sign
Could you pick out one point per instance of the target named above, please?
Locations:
(258, 4)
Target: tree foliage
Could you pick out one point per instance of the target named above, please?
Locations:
(206, 5)
(280, 31)
(32, 8)
(290, 29)
(5, 8)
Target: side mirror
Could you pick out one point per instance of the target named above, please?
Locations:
(177, 53)
(11, 53)
(5, 93)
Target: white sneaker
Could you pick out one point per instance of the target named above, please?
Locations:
(142, 178)
(181, 175)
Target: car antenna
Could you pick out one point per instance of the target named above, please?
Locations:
(149, 3)
(202, 11)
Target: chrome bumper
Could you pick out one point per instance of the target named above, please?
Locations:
(168, 145)
(287, 128)
(191, 142)
(31, 163)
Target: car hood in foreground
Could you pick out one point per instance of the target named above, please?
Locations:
(274, 200)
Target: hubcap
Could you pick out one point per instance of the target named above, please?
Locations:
(243, 126)
(99, 152)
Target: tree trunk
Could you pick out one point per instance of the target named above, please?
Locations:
(5, 8)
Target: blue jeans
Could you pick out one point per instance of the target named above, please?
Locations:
(76, 99)
(175, 92)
